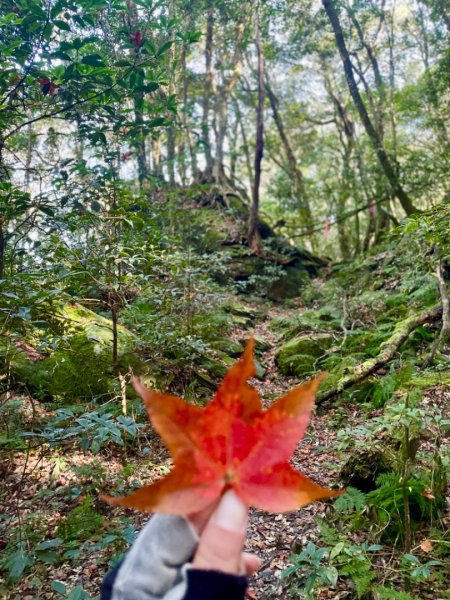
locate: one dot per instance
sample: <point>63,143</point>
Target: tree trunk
<point>115,338</point>
<point>2,249</point>
<point>253,239</point>
<point>140,144</point>
<point>208,88</point>
<point>383,158</point>
<point>297,176</point>
<point>224,92</point>
<point>245,145</point>
<point>171,154</point>
<point>187,130</point>
<point>156,154</point>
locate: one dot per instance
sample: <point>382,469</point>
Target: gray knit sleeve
<point>152,569</point>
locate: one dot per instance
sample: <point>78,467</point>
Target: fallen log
<point>402,331</point>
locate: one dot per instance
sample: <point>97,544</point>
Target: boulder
<point>297,356</point>
<point>217,220</point>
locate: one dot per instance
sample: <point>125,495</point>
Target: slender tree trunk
<point>156,154</point>
<point>141,153</point>
<point>2,249</point>
<point>171,154</point>
<point>233,149</point>
<point>392,91</point>
<point>221,114</point>
<point>139,145</point>
<point>187,130</point>
<point>383,158</point>
<point>115,339</point>
<point>224,92</point>
<point>253,239</point>
<point>208,88</point>
<point>297,176</point>
<point>29,156</point>
<point>245,145</point>
<point>171,134</point>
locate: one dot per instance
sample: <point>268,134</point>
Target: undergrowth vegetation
<point>67,409</point>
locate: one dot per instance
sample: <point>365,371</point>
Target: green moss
<point>429,379</point>
<point>228,346</point>
<point>289,285</point>
<point>97,329</point>
<point>298,356</point>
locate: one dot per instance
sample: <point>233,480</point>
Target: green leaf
<point>151,87</point>
<point>93,60</point>
<point>336,550</point>
<point>62,25</point>
<point>411,558</point>
<point>47,210</point>
<point>49,544</point>
<point>58,586</point>
<point>61,55</point>
<point>156,122</point>
<point>17,563</point>
<point>77,593</point>
<point>329,574</point>
<point>122,63</point>
<point>164,48</point>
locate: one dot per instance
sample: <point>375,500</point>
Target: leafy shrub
<point>93,430</point>
<point>389,504</point>
<point>76,373</point>
<point>81,523</point>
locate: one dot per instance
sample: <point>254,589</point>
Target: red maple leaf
<point>136,38</point>
<point>232,443</point>
<point>48,87</point>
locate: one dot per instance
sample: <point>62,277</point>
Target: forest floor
<point>43,487</point>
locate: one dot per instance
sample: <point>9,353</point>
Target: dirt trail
<point>272,536</point>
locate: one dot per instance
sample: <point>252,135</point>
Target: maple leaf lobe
<point>232,443</point>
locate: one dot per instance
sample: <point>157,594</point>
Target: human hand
<point>222,531</point>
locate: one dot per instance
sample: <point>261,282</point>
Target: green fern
<point>384,593</point>
<point>352,500</point>
<point>360,571</point>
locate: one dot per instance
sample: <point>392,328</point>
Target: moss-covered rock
<point>210,229</point>
<point>218,221</point>
<point>297,357</point>
<point>261,345</point>
<point>228,346</point>
<point>240,314</point>
<point>81,367</point>
<point>325,318</point>
<point>365,464</point>
<point>290,284</point>
<point>98,329</point>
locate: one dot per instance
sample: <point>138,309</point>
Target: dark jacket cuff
<point>214,585</point>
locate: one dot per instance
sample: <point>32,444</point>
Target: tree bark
<point>383,158</point>
<point>140,144</point>
<point>245,145</point>
<point>2,249</point>
<point>445,329</point>
<point>388,349</point>
<point>297,175</point>
<point>187,130</point>
<point>141,154</point>
<point>224,91</point>
<point>208,88</point>
<point>252,237</point>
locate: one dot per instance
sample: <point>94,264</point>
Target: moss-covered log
<point>388,349</point>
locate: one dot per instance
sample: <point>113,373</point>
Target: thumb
<point>222,540</point>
